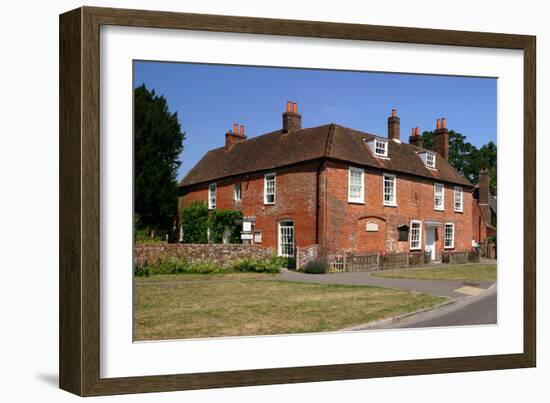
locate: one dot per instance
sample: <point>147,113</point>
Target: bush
<point>181,266</point>
<point>194,221</point>
<point>257,265</point>
<point>141,271</point>
<point>219,220</point>
<point>317,266</point>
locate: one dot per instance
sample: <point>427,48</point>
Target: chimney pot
<point>443,123</point>
<point>288,106</point>
<point>235,128</point>
<point>394,112</point>
<point>294,107</point>
<point>241,130</point>
<point>438,124</point>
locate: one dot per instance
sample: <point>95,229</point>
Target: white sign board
<point>372,226</point>
<point>246,237</point>
<point>247,226</point>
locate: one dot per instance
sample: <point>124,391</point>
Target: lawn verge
<point>252,305</point>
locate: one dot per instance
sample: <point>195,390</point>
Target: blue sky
<point>210,98</point>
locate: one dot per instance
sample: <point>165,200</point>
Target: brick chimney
<point>415,138</point>
<point>483,198</point>
<point>232,137</point>
<point>393,125</point>
<point>441,138</point>
<point>292,120</point>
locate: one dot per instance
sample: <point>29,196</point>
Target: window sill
<point>459,211</point>
<point>390,205</point>
<point>355,202</point>
<point>439,209</point>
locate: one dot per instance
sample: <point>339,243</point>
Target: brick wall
<point>222,254</point>
<point>344,224</point>
<point>296,200</point>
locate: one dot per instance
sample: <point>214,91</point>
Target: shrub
<point>141,271</point>
<point>194,221</point>
<point>181,266</point>
<point>257,265</point>
<point>219,220</point>
<point>316,266</point>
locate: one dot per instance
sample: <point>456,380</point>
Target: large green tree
<point>158,141</point>
<point>467,158</point>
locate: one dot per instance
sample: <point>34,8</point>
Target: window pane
<point>389,189</point>
<point>355,184</point>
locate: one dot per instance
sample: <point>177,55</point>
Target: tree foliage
<point>158,141</point>
<point>467,158</point>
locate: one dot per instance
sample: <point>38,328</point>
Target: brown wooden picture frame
<point>79,281</point>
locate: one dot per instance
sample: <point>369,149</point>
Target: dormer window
<point>428,158</point>
<point>380,148</point>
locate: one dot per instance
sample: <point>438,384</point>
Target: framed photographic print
<point>250,201</point>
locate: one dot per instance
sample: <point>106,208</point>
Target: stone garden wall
<point>222,254</point>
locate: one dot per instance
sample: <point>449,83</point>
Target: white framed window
<point>380,148</point>
<point>415,242</point>
<point>212,196</point>
<point>389,184</point>
<point>258,237</point>
<point>439,196</point>
<point>237,192</point>
<point>430,160</point>
<point>286,238</point>
<point>356,184</point>
<point>459,201</point>
<point>269,188</point>
<point>449,236</point>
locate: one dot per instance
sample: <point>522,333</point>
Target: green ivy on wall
<point>197,221</point>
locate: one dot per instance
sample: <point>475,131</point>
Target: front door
<point>430,242</point>
<point>286,238</point>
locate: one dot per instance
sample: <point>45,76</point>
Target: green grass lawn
<point>239,304</point>
<point>464,272</point>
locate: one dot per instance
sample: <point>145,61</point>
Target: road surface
<point>480,312</point>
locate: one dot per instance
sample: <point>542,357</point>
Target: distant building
<point>343,189</point>
<point>484,210</point>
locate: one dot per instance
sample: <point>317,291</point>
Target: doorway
<point>286,238</point>
<point>430,242</point>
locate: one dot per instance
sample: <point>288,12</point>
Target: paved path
<point>444,288</point>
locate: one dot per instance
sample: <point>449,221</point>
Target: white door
<point>286,239</point>
<point>430,241</point>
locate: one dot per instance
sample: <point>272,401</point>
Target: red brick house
<point>340,188</point>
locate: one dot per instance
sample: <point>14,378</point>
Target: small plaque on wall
<point>372,226</point>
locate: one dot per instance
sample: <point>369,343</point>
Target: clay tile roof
<point>277,149</point>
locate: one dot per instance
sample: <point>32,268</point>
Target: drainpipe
<point>317,201</point>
